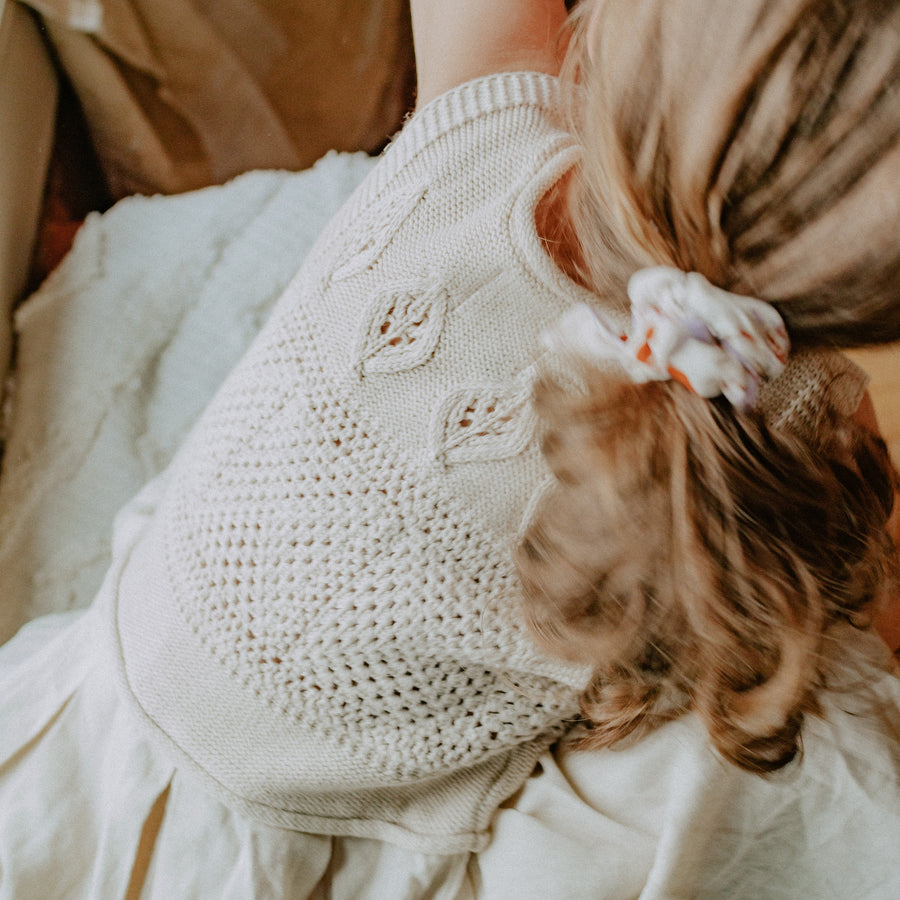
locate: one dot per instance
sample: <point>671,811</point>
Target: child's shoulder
<point>458,42</point>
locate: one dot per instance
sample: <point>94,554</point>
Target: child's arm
<point>457,40</point>
<point>887,618</point>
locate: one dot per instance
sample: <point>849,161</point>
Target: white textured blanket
<point>119,351</point>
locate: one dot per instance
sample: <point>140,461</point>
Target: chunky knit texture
<point>321,619</point>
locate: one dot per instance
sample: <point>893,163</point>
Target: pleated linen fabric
<point>665,817</point>
<point>90,810</point>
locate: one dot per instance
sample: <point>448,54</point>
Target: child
<point>314,615</point>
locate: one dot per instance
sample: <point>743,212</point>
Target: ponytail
<point>695,554</point>
<point>697,557</point>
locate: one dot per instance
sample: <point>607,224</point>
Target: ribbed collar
<point>461,105</point>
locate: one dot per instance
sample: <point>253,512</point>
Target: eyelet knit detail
<point>385,220</point>
<point>339,554</point>
<point>401,330</point>
<point>483,422</point>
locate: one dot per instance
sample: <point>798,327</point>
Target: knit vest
<point>321,619</point>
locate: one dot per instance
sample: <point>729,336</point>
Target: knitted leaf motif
<point>380,234</point>
<point>401,331</point>
<point>482,422</point>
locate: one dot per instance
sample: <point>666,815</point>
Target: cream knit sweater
<point>320,619</point>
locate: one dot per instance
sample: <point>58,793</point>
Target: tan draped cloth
<point>179,94</point>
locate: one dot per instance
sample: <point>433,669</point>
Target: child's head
<point>694,553</point>
<point>753,142</point>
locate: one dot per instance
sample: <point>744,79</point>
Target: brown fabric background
<point>180,94</point>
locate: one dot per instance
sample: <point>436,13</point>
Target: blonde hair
<point>696,556</point>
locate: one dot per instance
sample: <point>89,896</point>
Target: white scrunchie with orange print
<point>685,329</point>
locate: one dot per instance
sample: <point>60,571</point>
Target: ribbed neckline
<point>464,103</point>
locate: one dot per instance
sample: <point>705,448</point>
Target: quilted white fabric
<point>122,348</point>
